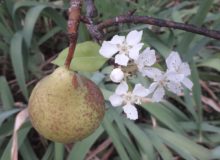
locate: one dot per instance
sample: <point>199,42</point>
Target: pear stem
<point>73,25</point>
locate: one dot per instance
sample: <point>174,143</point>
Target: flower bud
<point>117,75</point>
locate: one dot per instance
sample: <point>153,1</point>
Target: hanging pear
<point>65,106</point>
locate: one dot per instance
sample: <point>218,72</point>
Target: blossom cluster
<point>130,58</point>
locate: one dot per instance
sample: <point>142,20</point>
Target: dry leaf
<point>20,119</point>
<point>211,103</point>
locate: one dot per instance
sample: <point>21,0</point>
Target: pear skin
<point>66,107</point>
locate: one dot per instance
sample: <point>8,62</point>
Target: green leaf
<point>49,152</point>
<point>197,97</point>
<point>179,114</point>
<point>27,152</point>
<point>17,61</point>
<point>48,35</point>
<point>206,127</point>
<point>4,32</point>
<point>6,129</point>
<point>107,124</point>
<point>184,144</point>
<point>213,63</point>
<point>164,115</point>
<point>57,18</point>
<point>21,4</point>
<point>29,23</point>
<point>32,17</point>
<point>216,153</point>
<point>6,96</point>
<point>157,43</point>
<point>129,146</point>
<point>86,57</point>
<point>59,151</point>
<point>142,139</point>
<point>22,135</point>
<point>81,148</point>
<point>124,136</point>
<point>197,20</point>
<point>6,114</point>
<point>164,152</point>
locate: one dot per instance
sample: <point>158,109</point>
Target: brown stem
<point>91,10</point>
<point>73,25</point>
<point>159,22</point>
<point>91,13</point>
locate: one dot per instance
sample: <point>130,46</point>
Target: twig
<point>208,90</point>
<point>159,22</point>
<point>108,153</point>
<point>91,13</point>
<point>154,122</point>
<point>91,10</point>
<point>73,25</point>
<point>99,149</point>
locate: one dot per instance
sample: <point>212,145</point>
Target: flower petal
<point>134,37</point>
<point>131,111</point>
<point>134,51</point>
<point>108,50</point>
<point>184,69</point>
<point>148,57</point>
<point>122,88</point>
<point>158,94</point>
<point>187,83</point>
<point>152,73</point>
<point>140,90</point>
<point>116,100</point>
<point>174,76</point>
<point>174,87</point>
<point>173,61</point>
<point>117,39</point>
<point>117,75</point>
<point>153,86</point>
<point>121,59</point>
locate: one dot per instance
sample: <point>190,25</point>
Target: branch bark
<point>158,22</point>
<point>73,25</point>
<point>91,13</point>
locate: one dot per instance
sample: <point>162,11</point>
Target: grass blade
<point>183,143</point>
<point>59,151</point>
<point>22,134</point>
<point>27,152</point>
<point>49,153</point>
<point>115,138</point>
<point>81,148</point>
<point>197,20</point>
<point>6,96</point>
<point>163,115</point>
<point>4,115</point>
<point>17,61</point>
<point>30,21</point>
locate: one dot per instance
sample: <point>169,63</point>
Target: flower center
<point>130,98</point>
<point>124,48</point>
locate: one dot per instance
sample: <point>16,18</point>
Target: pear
<point>65,106</point>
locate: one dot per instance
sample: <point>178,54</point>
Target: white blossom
<point>178,70</point>
<point>117,75</point>
<point>126,47</point>
<point>145,60</point>
<point>162,82</point>
<point>123,96</point>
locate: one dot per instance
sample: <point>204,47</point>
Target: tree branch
<point>159,22</point>
<point>73,25</point>
<point>91,13</point>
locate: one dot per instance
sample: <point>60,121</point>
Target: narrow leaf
<point>17,61</point>
<point>6,95</point>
